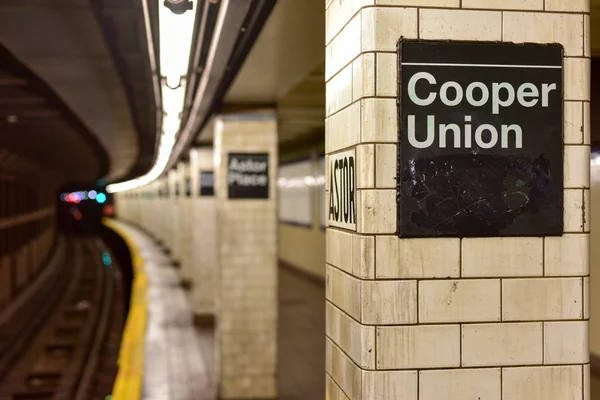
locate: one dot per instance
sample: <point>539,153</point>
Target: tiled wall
<point>450,319</point>
<point>204,250</point>
<point>247,256</point>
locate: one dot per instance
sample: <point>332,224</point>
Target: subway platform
<point>179,360</point>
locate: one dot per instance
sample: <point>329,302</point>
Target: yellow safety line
<point>128,383</point>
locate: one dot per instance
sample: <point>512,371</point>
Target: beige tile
<point>577,166</point>
<point>343,129</point>
<point>587,44</point>
<point>586,298</point>
<point>573,130</point>
<point>577,79</point>
<point>389,302</point>
<point>501,344</point>
<point>337,244</point>
<point>363,76</point>
<point>489,257</point>
<point>566,342</point>
<point>344,291</point>
<point>343,48</point>
<point>460,384</point>
<point>505,4</point>
<point>379,120</point>
<point>419,3</point>
<point>566,29</point>
<point>460,24</point>
<point>338,14</point>
<point>338,91</point>
<point>365,166</point>
<point>464,300</point>
<point>422,346</point>
<point>568,255</point>
<point>363,255</point>
<point>356,340</point>
<point>574,210</point>
<point>343,371</point>
<point>587,205</point>
<point>586,123</point>
<point>382,27</point>
<point>542,299</point>
<point>569,5</point>
<point>547,383</point>
<point>333,391</point>
<point>390,385</point>
<point>376,211</point>
<point>386,156</point>
<point>586,383</point>
<point>387,74</point>
<point>417,258</point>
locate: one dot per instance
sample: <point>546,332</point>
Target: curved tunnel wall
<point>27,234</point>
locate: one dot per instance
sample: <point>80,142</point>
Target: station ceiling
<point>68,45</point>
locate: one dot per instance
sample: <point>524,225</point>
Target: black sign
<point>342,190</point>
<point>480,128</point>
<point>207,183</point>
<point>248,176</point>
<point>188,187</point>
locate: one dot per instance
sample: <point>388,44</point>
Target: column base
<point>204,320</point>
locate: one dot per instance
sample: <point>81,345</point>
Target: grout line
<point>543,343</point>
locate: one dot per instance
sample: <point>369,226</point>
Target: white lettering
<point>444,93</point>
<point>455,134</point>
<point>546,89</point>
<point>518,136</point>
<point>485,94</point>
<point>479,136</point>
<point>412,93</point>
<point>412,137</point>
<point>496,101</point>
<point>525,91</point>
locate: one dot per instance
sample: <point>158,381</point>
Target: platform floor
<point>179,363</point>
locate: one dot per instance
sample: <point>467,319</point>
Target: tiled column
<point>450,318</point>
<point>247,262</point>
<point>172,220</point>
<point>186,222</point>
<point>163,216</point>
<point>203,233</point>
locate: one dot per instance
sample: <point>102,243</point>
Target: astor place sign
<point>480,132</point>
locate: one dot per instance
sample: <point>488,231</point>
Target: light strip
<point>175,37</point>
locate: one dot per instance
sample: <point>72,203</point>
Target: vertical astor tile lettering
<point>342,193</point>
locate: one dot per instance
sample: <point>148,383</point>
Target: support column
<point>203,234</point>
<point>173,214</point>
<point>246,162</point>
<point>184,238</point>
<point>451,317</point>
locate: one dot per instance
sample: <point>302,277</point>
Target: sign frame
<point>255,192</point>
<point>553,228</point>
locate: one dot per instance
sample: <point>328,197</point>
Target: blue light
<point>92,195</point>
<point>100,198</point>
<point>106,259</point>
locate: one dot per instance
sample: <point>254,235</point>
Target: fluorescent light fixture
<point>175,39</point>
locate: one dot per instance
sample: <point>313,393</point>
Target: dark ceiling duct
<point>219,56</point>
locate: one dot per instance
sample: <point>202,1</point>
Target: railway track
<point>69,335</point>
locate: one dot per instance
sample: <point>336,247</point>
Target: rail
<point>128,384</point>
